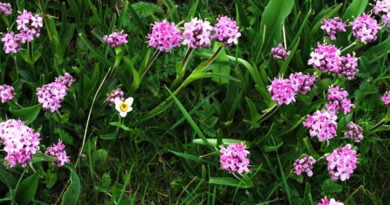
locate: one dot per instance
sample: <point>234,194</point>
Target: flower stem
<point>150,63</point>
<point>348,47</point>
<point>181,71</point>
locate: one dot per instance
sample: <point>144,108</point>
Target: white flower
<point>124,107</point>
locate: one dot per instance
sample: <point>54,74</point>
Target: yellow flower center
<point>123,107</point>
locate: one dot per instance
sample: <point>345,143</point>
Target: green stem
<point>380,123</point>
<point>17,185</point>
<point>189,79</point>
<point>181,71</point>
<point>150,63</point>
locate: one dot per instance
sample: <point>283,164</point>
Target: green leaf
<point>272,20</point>
<point>228,181</point>
<point>72,193</point>
<point>271,148</point>
<point>27,114</point>
<point>40,157</point>
<point>145,9</point>
<point>188,156</point>
<point>355,9</point>
<point>224,141</point>
<point>27,189</point>
<point>120,125</point>
<point>329,187</point>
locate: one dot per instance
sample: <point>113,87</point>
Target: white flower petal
<point>129,101</point>
<point>123,114</point>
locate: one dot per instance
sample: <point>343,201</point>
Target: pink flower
<point>365,28</point>
<point>386,98</point>
<point>29,26</point>
<point>164,36</point>
<point>115,39</point>
<point>197,33</point>
<point>342,163</point>
<point>332,201</point>
<point>5,9</point>
<point>226,31</point>
<point>326,58</point>
<point>322,124</point>
<point>337,100</point>
<point>282,91</point>
<point>6,93</point>
<point>20,142</point>
<point>304,164</point>
<point>280,52</point>
<point>382,7</point>
<point>302,83</point>
<point>51,95</point>
<point>348,67</point>
<point>234,158</point>
<point>11,43</point>
<point>332,26</point>
<point>117,93</point>
<point>354,131</point>
<point>58,151</point>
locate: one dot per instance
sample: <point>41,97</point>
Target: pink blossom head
<point>234,158</point>
<point>304,164</point>
<point>332,26</point>
<point>348,67</point>
<point>342,163</point>
<point>117,93</point>
<point>226,31</point>
<point>365,28</point>
<point>332,201</point>
<point>6,93</point>
<point>322,124</point>
<point>164,36</point>
<point>382,7</point>
<point>302,83</point>
<point>197,33</point>
<point>354,131</point>
<point>20,142</point>
<point>115,39</point>
<point>326,58</point>
<point>58,151</point>
<point>282,91</point>
<point>29,26</point>
<point>5,9</point>
<point>280,52</point>
<point>11,43</point>
<point>338,101</point>
<point>386,98</point>
<point>51,95</point>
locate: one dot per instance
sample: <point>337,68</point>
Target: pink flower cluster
<point>386,98</point>
<point>304,164</point>
<point>6,93</point>
<point>115,39</point>
<point>5,9</point>
<point>322,124</point>
<point>164,36</point>
<point>338,101</point>
<point>354,131</point>
<point>234,158</point>
<point>29,27</point>
<point>226,31</point>
<point>332,26</point>
<point>283,91</point>
<point>117,93</point>
<point>342,163</point>
<point>302,83</point>
<point>383,7</point>
<point>197,33</point>
<point>51,95</point>
<point>280,52</point>
<point>327,58</point>
<point>348,67</point>
<point>20,142</point>
<point>58,151</point>
<point>365,28</point>
<point>332,201</point>
<point>11,43</point>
